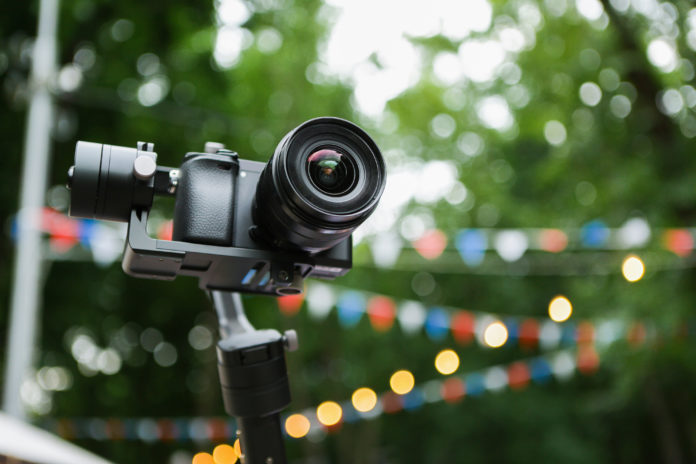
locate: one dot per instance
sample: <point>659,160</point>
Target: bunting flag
<point>464,326</point>
<point>404,396</point>
<point>105,240</point>
<point>511,244</point>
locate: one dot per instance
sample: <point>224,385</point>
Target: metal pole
<point>26,286</point>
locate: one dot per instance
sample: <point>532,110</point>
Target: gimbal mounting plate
<point>229,268</point>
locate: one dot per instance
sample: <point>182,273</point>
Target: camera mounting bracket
<point>228,268</point>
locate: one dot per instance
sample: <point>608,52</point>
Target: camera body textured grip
<point>204,206</point>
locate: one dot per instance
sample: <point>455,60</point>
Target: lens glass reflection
<point>331,171</point>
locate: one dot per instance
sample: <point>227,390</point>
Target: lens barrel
<point>324,179</point>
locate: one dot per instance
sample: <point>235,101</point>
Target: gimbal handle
<point>254,379</point>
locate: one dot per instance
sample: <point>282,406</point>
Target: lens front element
<point>324,179</point>
<point>331,171</point>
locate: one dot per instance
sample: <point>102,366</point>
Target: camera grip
<point>205,199</point>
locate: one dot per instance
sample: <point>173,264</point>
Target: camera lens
<point>331,171</point>
<point>324,179</point>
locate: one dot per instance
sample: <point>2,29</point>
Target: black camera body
<point>239,225</point>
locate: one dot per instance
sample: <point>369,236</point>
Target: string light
<point>495,335</point>
<point>633,268</point>
<point>446,362</point>
<point>538,370</point>
<point>364,399</point>
<point>224,454</point>
<point>297,425</point>
<point>329,413</point>
<point>402,382</point>
<point>203,458</point>
<point>560,309</point>
<point>238,448</point>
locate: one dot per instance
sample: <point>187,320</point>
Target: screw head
<point>290,340</point>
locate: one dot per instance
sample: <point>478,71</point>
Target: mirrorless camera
<point>239,225</point>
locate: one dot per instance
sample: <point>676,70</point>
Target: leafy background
<point>181,73</point>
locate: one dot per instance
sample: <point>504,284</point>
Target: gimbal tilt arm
<point>254,379</point>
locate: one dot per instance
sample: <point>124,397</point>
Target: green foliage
<point>610,165</point>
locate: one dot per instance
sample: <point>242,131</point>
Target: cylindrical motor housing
<point>103,184</point>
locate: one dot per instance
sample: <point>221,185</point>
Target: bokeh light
<point>401,382</point>
<point>237,447</point>
<point>560,309</point>
<point>495,335</point>
<point>297,425</point>
<point>364,399</point>
<point>203,458</point>
<point>446,362</point>
<point>224,454</point>
<point>329,413</point>
<point>633,268</point>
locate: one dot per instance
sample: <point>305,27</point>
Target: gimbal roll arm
<point>254,379</point>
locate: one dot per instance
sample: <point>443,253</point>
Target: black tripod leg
<point>261,440</point>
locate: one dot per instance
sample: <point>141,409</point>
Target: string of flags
<point>472,244</point>
<point>465,326</point>
<point>365,404</point>
<point>105,240</point>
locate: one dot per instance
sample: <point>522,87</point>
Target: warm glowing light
<point>203,458</point>
<point>495,335</point>
<point>633,268</point>
<point>297,426</point>
<point>446,362</point>
<point>329,413</point>
<point>401,382</point>
<point>238,448</point>
<point>364,399</point>
<point>560,309</point>
<point>224,454</point>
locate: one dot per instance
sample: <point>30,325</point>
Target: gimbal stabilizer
<point>241,226</point>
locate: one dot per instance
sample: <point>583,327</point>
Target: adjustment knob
<point>290,340</point>
<point>144,167</point>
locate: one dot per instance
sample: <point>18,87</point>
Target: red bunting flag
<point>165,230</point>
<point>431,244</point>
<point>518,375</point>
<point>166,429</point>
<point>463,324</point>
<point>678,241</point>
<point>381,311</point>
<point>529,333</point>
<point>453,390</point>
<point>391,403</point>
<point>553,240</point>
<point>290,304</point>
<point>588,359</point>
